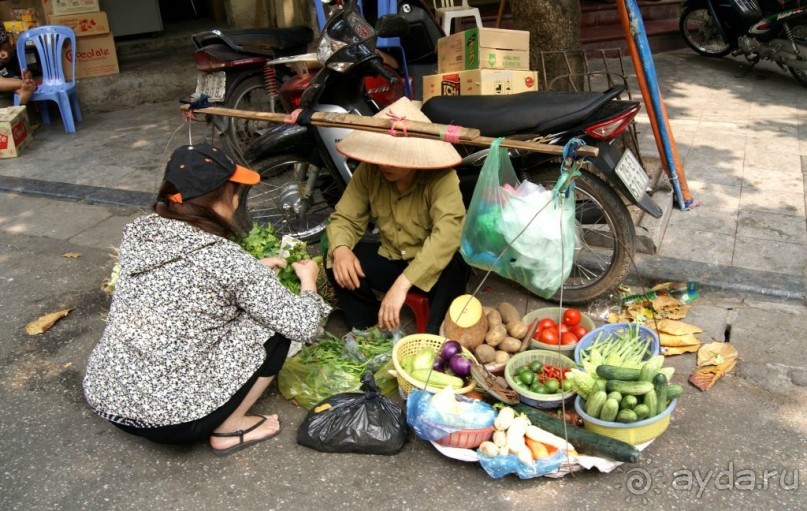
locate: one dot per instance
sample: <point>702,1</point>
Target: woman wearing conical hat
<point>406,187</point>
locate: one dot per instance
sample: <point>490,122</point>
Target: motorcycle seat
<point>496,116</point>
<point>269,42</point>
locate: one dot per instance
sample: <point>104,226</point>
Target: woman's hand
<point>274,262</point>
<point>346,268</point>
<point>307,271</point>
<point>389,314</point>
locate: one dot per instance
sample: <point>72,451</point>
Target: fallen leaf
<point>678,340</point>
<point>674,327</point>
<point>705,377</point>
<point>716,353</point>
<point>669,307</point>
<point>71,254</point>
<point>44,323</point>
<point>669,351</point>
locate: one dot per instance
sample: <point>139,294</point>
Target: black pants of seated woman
<point>361,305</point>
<point>277,347</point>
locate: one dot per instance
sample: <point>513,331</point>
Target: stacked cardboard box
<point>15,132</point>
<point>95,53</point>
<point>482,61</point>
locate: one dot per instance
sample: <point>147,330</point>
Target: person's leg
<point>360,306</point>
<point>449,285</point>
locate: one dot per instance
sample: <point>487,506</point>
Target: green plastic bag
<point>519,230</point>
<point>308,384</point>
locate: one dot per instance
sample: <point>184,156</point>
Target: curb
<point>86,193</point>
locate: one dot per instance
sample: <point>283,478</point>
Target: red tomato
<point>563,328</point>
<point>571,317</point>
<point>579,331</point>
<point>549,336</point>
<point>546,323</point>
<point>568,338</point>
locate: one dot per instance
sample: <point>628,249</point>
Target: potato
<point>501,357</point>
<point>487,310</point>
<point>485,353</point>
<point>500,381</point>
<point>494,318</point>
<point>510,345</point>
<point>517,329</point>
<point>496,335</point>
<point>508,313</point>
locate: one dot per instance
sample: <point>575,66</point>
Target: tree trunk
<point>554,26</point>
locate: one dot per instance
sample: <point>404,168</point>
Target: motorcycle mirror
<point>391,25</point>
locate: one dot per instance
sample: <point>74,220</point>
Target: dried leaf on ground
<point>669,351</point>
<point>716,353</point>
<point>71,254</point>
<point>678,340</point>
<point>705,377</point>
<point>669,307</point>
<point>44,323</point>
<point>674,327</point>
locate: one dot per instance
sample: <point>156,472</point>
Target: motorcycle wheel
<point>605,236</point>
<point>278,199</point>
<point>799,33</point>
<point>248,94</point>
<point>701,33</point>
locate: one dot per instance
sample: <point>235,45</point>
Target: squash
<point>465,323</point>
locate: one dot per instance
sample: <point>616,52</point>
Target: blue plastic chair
<point>49,41</point>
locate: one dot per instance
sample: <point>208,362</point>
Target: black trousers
<point>361,305</point>
<point>277,347</point>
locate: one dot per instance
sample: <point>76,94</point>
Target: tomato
<point>571,317</point>
<point>568,338</point>
<point>546,323</point>
<point>579,331</point>
<point>549,336</point>
<point>563,328</point>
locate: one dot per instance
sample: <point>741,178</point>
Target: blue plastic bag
<point>431,422</point>
<point>500,466</point>
<point>520,232</point>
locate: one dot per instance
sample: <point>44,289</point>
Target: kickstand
<point>753,62</point>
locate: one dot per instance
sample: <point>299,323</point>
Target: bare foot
<point>269,428</point>
<point>26,91</point>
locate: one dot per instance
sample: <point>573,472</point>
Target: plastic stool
<point>419,303</point>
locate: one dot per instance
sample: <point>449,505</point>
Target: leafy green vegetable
<point>262,241</point>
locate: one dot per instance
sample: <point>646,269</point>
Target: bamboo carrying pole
<point>469,136</point>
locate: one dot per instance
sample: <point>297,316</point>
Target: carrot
<point>537,449</point>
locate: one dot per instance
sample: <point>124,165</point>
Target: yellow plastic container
<point>633,433</point>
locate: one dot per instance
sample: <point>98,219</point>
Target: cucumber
<point>641,411</point>
<point>617,373</point>
<point>609,410</point>
<point>674,391</point>
<point>651,402</point>
<point>628,402</point>
<point>626,416</point>
<point>634,388</point>
<point>595,402</point>
<point>660,387</point>
<point>584,441</point>
<point>599,385</point>
<point>646,373</point>
<point>616,396</point>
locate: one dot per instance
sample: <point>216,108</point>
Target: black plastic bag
<point>362,422</point>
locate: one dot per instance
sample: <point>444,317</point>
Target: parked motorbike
<point>303,175</point>
<point>243,69</point>
<point>757,29</point>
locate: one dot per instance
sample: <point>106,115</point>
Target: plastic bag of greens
<point>362,422</point>
<point>522,232</point>
<point>500,466</point>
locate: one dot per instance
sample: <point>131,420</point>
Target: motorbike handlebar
<point>388,75</point>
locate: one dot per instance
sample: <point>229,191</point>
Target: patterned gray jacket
<point>187,324</point>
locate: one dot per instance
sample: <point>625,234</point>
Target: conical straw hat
<point>397,150</point>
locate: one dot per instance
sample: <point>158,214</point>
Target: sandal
<point>240,433</point>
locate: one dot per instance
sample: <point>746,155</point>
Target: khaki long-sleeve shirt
<point>422,225</point>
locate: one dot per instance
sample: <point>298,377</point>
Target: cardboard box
<point>95,56</point>
<point>87,24</point>
<point>15,132</point>
<point>484,48</point>
<point>67,7</point>
<point>479,82</point>
<point>19,26</point>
